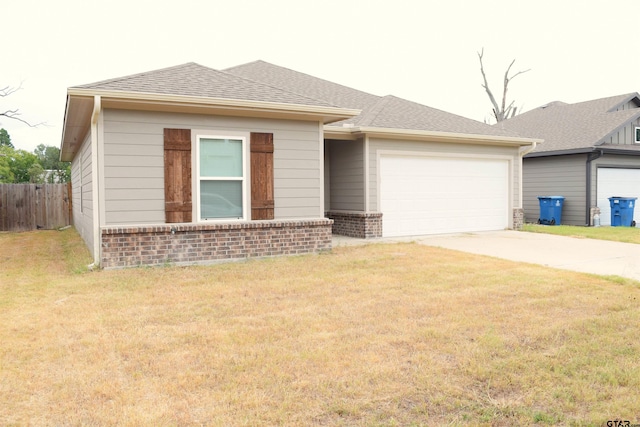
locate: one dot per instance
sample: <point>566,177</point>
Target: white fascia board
<point>451,137</point>
<point>328,114</point>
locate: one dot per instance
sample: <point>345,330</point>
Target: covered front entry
<point>425,194</point>
<point>616,182</point>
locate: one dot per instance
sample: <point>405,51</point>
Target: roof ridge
<point>275,87</point>
<point>260,61</point>
<point>627,97</point>
<point>634,114</point>
<point>370,116</point>
<point>192,79</point>
<point>623,98</point>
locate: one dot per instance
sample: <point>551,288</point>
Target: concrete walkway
<point>568,253</point>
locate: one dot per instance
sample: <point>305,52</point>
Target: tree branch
<point>486,85</point>
<point>507,79</point>
<point>506,111</point>
<point>13,114</point>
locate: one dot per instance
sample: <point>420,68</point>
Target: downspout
<point>523,152</point>
<point>366,173</point>
<point>97,107</point>
<point>590,157</point>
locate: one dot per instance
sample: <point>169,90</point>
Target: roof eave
<point>335,132</point>
<point>80,104</point>
<point>582,150</point>
<point>76,124</point>
<point>326,114</point>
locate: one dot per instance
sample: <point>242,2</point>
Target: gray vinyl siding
<point>624,135</point>
<point>82,193</point>
<point>556,176</point>
<point>375,145</point>
<point>628,106</point>
<point>134,162</point>
<point>346,175</point>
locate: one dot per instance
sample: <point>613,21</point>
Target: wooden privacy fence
<point>26,207</point>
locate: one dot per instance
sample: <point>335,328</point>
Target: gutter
<point>330,113</point>
<point>354,132</point>
<point>590,158</point>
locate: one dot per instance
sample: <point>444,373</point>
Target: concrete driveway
<point>568,253</point>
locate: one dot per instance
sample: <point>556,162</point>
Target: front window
<point>221,177</point>
<point>637,135</point>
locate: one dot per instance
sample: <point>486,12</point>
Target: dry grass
<point>617,234</point>
<point>381,335</point>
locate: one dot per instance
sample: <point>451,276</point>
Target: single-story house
<point>591,152</point>
<point>189,164</point>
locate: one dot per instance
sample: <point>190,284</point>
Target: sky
<point>425,51</point>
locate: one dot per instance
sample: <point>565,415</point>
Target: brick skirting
<point>518,218</point>
<point>363,225</point>
<point>205,243</point>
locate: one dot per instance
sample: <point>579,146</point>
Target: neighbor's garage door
<point>616,182</point>
<point>432,195</point>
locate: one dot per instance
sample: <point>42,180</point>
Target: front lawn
<point>377,335</point>
<point>618,234</point>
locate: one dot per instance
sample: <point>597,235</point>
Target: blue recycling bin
<point>622,211</point>
<point>550,210</point>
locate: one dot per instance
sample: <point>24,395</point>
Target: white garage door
<point>616,182</point>
<point>435,195</point>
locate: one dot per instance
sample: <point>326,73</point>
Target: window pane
<point>220,199</point>
<point>221,157</point>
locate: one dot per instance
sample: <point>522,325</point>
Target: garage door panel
<point>616,182</point>
<point>434,195</point>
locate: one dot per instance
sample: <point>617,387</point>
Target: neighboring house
<point>191,165</point>
<point>591,151</point>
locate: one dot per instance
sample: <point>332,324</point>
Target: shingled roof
<point>574,127</point>
<point>192,79</point>
<point>380,112</point>
<point>304,84</point>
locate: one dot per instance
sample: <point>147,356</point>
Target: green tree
<point>6,174</point>
<point>36,174</point>
<point>20,161</point>
<point>5,139</point>
<point>49,158</point>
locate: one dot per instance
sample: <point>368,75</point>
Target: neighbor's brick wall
<point>203,243</point>
<point>363,225</point>
<point>518,218</point>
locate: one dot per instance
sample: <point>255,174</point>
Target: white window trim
<point>636,135</point>
<point>196,176</point>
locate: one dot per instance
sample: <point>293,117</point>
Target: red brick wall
<point>364,225</point>
<point>203,243</point>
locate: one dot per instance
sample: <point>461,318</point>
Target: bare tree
<point>13,113</point>
<point>503,111</point>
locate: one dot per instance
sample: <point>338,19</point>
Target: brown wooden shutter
<point>177,175</point>
<point>262,176</point>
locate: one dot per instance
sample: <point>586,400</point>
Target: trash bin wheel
<point>553,221</point>
<point>633,223</point>
<point>539,221</point>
